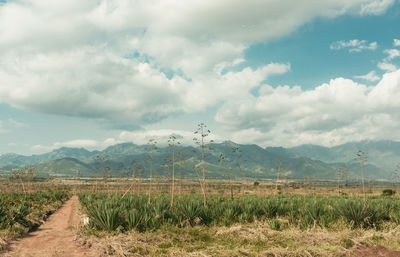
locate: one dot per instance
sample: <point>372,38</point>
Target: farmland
<point>109,212</point>
<point>20,212</point>
<point>276,225</point>
<point>262,219</point>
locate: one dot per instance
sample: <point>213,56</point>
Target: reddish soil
<point>55,238</point>
<point>376,251</point>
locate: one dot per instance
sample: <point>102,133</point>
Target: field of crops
<point>112,212</point>
<point>21,212</point>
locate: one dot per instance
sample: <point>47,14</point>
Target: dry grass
<point>3,241</point>
<point>240,240</point>
<point>185,186</point>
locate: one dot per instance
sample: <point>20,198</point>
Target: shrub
<point>275,225</point>
<point>105,215</point>
<point>359,215</point>
<point>388,192</point>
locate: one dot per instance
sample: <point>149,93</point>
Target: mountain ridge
<point>298,162</point>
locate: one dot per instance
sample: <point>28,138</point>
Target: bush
<point>360,215</point>
<point>105,215</point>
<point>275,225</point>
<point>388,192</point>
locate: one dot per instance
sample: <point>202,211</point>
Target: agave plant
<point>108,212</point>
<point>358,214</point>
<point>270,208</point>
<point>105,216</point>
<point>134,219</point>
<point>188,212</point>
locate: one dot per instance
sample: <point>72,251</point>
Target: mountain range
<point>253,161</point>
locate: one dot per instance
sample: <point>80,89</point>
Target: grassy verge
<point>256,239</point>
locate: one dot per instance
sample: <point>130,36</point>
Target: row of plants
<point>113,212</point>
<point>21,212</point>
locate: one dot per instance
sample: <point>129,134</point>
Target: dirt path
<point>55,238</point>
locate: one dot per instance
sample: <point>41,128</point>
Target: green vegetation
<point>112,212</point>
<point>388,192</point>
<point>21,212</point>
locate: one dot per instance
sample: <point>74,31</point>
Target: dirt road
<point>55,238</point>
<point>376,251</point>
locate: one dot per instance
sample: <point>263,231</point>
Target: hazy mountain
<point>251,161</point>
<point>63,152</point>
<point>383,154</point>
<point>66,167</point>
<point>124,149</point>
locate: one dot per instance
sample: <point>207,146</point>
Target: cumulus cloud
<point>333,113</point>
<point>77,143</point>
<point>391,54</point>
<point>130,63</point>
<point>354,45</point>
<point>11,124</point>
<point>370,76</point>
<point>396,42</point>
<point>376,7</point>
<point>161,136</point>
<point>139,137</point>
<point>386,66</point>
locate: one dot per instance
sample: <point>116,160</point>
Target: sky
<point>95,73</point>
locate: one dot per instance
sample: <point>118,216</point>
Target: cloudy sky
<point>272,72</point>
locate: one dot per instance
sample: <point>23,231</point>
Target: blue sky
<point>308,52</point>
<point>272,72</point>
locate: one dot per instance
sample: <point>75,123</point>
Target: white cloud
<point>330,114</point>
<point>387,66</point>
<point>77,143</point>
<point>86,143</point>
<point>2,130</point>
<point>396,42</point>
<point>354,45</point>
<point>392,53</point>
<point>16,124</point>
<point>161,136</point>
<point>376,7</point>
<point>139,137</point>
<point>106,60</point>
<point>370,76</point>
<point>11,124</point>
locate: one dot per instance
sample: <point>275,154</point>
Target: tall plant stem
<point>203,166</point>
<point>362,180</point>
<point>151,175</point>
<point>173,178</point>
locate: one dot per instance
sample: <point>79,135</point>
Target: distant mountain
<point>383,154</point>
<point>306,161</point>
<point>63,152</point>
<point>124,149</point>
<point>66,167</point>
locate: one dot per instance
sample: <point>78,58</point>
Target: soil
<point>376,251</point>
<point>55,238</point>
